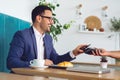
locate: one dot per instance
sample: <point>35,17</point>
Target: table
<point>10,76</point>
<point>61,73</point>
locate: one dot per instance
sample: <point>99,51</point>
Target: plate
<point>57,67</point>
<point>38,67</point>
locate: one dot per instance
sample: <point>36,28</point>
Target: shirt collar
<point>37,33</point>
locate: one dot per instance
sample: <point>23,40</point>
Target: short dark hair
<point>38,10</point>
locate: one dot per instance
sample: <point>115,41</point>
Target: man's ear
<point>38,18</point>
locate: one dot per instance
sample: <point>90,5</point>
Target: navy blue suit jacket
<point>23,49</point>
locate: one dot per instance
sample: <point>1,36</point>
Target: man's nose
<point>52,22</point>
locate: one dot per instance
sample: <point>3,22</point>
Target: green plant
<point>115,24</point>
<point>118,61</point>
<point>103,59</point>
<point>57,27</point>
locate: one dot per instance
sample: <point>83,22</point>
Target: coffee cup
<point>37,63</point>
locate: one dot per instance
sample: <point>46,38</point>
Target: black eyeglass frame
<point>50,18</point>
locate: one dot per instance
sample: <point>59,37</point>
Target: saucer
<point>38,67</point>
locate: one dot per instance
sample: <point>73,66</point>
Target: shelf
<point>91,32</point>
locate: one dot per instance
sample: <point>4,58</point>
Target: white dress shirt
<point>40,44</point>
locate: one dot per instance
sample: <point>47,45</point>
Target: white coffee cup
<point>37,63</point>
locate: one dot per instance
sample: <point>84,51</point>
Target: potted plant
<point>103,62</point>
<point>116,28</point>
<point>115,24</point>
<point>57,27</point>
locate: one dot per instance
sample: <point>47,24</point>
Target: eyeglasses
<point>50,18</point>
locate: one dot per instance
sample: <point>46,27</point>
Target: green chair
<point>8,26</point>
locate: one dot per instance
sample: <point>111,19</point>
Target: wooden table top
<point>62,73</point>
<point>10,76</point>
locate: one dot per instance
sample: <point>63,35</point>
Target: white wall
<point>71,38</point>
<point>18,8</point>
<point>66,12</point>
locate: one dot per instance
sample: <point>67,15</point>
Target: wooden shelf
<point>91,32</point>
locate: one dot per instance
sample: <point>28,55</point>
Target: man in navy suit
<point>35,43</point>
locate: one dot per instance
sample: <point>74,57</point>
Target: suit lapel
<point>34,42</point>
<point>46,46</point>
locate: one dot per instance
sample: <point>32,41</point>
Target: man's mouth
<point>49,27</point>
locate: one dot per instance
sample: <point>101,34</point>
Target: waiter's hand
<point>77,50</point>
<point>48,62</point>
<point>100,52</point>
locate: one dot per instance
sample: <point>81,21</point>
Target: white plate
<point>38,67</point>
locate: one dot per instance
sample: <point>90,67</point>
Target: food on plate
<point>65,64</point>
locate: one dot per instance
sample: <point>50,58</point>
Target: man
<point>103,52</point>
<point>35,43</point>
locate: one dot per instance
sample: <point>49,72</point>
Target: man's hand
<point>78,50</point>
<point>48,62</point>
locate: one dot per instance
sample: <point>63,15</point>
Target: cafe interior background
<point>18,13</point>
